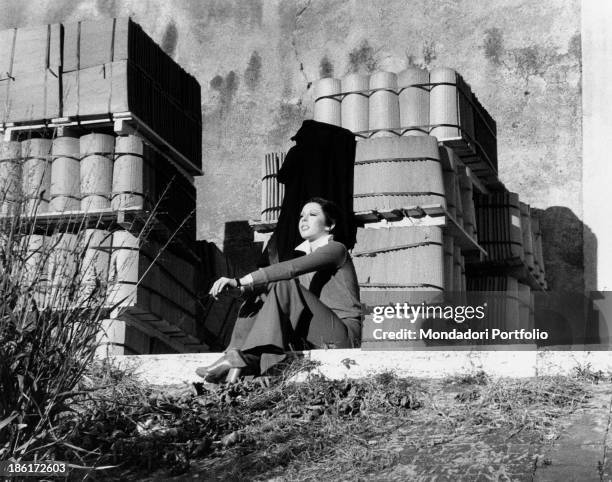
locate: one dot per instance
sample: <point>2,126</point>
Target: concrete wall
<point>256,61</point>
<point>597,169</point>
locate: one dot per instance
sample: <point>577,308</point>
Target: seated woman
<point>310,302</point>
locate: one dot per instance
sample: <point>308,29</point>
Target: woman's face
<point>312,222</point>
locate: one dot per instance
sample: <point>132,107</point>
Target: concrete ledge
<point>550,362</point>
<point>356,363</point>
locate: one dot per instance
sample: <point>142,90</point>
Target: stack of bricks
<point>96,68</point>
<point>30,73</point>
<point>404,252</point>
<point>106,207</point>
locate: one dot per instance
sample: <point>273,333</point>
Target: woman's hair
<point>331,211</point>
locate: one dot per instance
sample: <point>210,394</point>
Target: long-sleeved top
<point>334,279</point>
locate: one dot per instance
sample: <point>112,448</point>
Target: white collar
<point>308,247</point>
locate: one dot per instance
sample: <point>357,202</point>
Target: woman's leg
<point>290,315</point>
<point>324,329</point>
<point>247,315</point>
<point>233,358</point>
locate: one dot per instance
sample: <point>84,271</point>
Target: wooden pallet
<point>134,220</point>
<point>429,215</point>
<point>475,159</point>
<point>121,123</point>
<point>162,330</point>
<point>413,216</point>
<point>263,226</point>
<point>131,219</point>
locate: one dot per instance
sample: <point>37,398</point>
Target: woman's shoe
<point>233,375</point>
<point>218,370</point>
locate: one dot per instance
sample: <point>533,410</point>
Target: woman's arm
<point>332,255</point>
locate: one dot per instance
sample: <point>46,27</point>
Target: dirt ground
<point>463,428</point>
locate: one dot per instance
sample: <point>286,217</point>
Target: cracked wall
<point>256,61</point>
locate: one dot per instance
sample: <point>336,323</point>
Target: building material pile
<point>413,102</point>
<point>94,69</point>
<point>107,205</point>
<point>427,156</point>
<point>272,191</point>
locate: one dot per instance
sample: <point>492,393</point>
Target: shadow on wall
<point>239,256</point>
<point>216,314</point>
<point>567,311</point>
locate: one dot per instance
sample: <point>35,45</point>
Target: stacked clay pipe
<point>10,152</point>
<point>36,175</point>
<point>397,173</point>
<point>92,173</point>
<point>399,264</point>
<point>69,179</point>
<point>425,141</point>
<point>163,285</point>
<point>272,192</point>
<point>510,304</point>
<point>412,102</point>
<point>510,233</point>
<point>499,227</point>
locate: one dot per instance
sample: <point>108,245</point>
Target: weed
<point>50,319</point>
<point>54,296</point>
<point>477,378</point>
<point>586,372</point>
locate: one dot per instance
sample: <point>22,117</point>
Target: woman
<point>311,301</point>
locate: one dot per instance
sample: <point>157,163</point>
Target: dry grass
<point>254,426</point>
<point>316,430</point>
<point>48,337</point>
<point>52,304</point>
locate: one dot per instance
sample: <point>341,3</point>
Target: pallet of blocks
<point>30,73</point>
<point>395,173</point>
<point>408,194</point>
<point>156,290</point>
<point>153,291</point>
<point>91,174</point>
<point>489,241</point>
<point>272,191</point>
<point>102,137</point>
<point>396,266</point>
<point>65,186</point>
<point>509,306</point>
<point>112,65</point>
<point>512,238</point>
<point>413,102</point>
<point>99,71</point>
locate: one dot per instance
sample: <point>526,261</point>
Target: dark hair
<point>330,209</point>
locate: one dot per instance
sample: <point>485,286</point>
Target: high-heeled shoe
<point>222,367</point>
<point>233,375</point>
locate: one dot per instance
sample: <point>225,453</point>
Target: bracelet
<point>238,284</point>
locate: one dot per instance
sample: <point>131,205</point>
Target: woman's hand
<point>222,284</point>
